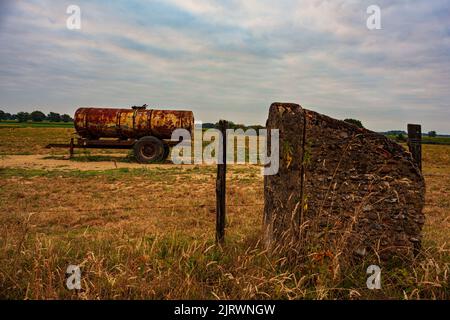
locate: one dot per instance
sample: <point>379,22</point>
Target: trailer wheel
<point>166,151</point>
<point>148,150</point>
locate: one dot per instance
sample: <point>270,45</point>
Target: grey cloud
<point>232,59</point>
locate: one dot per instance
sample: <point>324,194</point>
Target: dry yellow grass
<point>23,141</point>
<point>148,233</point>
<point>32,140</point>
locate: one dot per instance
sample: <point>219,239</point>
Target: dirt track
<point>39,162</point>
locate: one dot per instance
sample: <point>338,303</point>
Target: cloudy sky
<point>231,59</point>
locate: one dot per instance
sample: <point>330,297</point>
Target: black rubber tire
<point>166,152</point>
<point>148,150</point>
<point>90,137</point>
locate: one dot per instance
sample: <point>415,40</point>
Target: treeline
<point>231,125</point>
<point>35,116</point>
<point>431,134</point>
<point>235,126</point>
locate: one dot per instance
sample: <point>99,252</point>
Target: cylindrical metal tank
<point>137,122</point>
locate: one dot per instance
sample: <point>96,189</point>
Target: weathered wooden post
<point>221,185</point>
<point>71,148</point>
<point>415,143</point>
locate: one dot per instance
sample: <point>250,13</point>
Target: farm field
<point>439,140</point>
<point>147,231</point>
<point>32,124</point>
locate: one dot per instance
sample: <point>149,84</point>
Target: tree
<point>256,127</point>
<point>208,125</point>
<point>2,115</point>
<point>54,117</point>
<point>37,116</point>
<point>23,116</point>
<point>66,118</point>
<point>400,137</point>
<point>355,122</point>
<point>432,134</point>
<point>231,124</point>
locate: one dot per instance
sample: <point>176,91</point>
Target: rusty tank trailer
<point>134,123</point>
<point>146,131</point>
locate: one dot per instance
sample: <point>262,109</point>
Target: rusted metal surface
<point>95,123</point>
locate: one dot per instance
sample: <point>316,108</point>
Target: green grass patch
<point>31,124</point>
<point>427,140</point>
<point>154,172</point>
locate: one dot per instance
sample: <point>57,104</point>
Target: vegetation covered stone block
<point>342,189</point>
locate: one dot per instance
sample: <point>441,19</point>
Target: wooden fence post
<point>71,148</point>
<point>221,185</point>
<point>415,143</point>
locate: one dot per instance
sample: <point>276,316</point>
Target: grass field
<point>31,140</point>
<point>32,124</point>
<point>439,140</point>
<point>147,231</point>
<point>436,140</point>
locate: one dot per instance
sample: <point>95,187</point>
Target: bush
<point>355,122</point>
<point>400,137</point>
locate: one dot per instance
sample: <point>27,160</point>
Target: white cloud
<point>232,58</point>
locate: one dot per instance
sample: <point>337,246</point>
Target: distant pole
<point>415,143</point>
<point>221,185</point>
